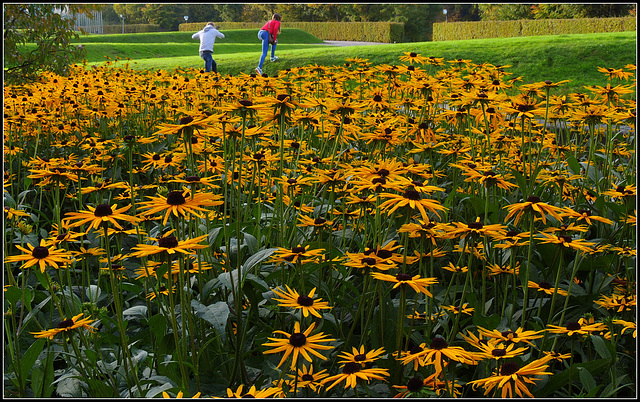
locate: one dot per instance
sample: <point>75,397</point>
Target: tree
<point>37,37</point>
<point>507,11</point>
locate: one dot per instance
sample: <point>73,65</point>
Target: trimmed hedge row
<point>504,29</point>
<point>130,28</point>
<point>386,32</point>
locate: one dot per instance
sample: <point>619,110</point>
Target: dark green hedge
<point>504,29</point>
<point>386,32</point>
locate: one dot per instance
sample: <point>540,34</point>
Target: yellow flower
<point>511,377</point>
<point>307,304</point>
<point>298,343</point>
<point>100,214</point>
<point>67,325</point>
<point>41,256</point>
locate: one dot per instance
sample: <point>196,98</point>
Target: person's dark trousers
<point>209,63</point>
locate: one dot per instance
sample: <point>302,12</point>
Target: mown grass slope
<point>539,58</point>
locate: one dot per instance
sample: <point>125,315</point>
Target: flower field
<point>432,228</point>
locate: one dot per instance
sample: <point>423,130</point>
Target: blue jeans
<point>209,63</point>
<point>264,36</point>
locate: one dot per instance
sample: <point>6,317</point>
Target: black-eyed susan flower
<point>99,215</point>
<point>169,244</point>
<point>252,392</point>
<point>352,371</point>
<point>511,378</point>
<point>298,343</point>
<point>438,353</point>
<point>41,255</point>
<point>462,230</point>
<point>306,378</point>
<point>306,303</point>
<point>180,203</point>
<point>65,325</point>
<point>566,241</point>
<point>358,355</point>
<point>617,302</point>
<point>464,309</point>
<point>625,326</point>
<point>179,395</point>
<point>517,336</point>
<point>533,204</point>
<point>415,282</point>
<point>413,200</point>
<point>575,328</point>
<point>297,254</point>
<point>496,350</point>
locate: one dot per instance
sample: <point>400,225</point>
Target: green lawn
<point>536,58</point>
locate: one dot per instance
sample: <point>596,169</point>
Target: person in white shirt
<point>207,38</point>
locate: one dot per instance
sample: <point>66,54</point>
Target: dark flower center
<point>475,225</point>
<point>403,277</point>
<point>573,326</point>
<point>415,349</point>
<point>168,242</point>
<point>544,285</point>
<point>282,97</point>
<point>156,157</point>
<point>40,252</point>
<point>512,233</point>
<point>377,98</point>
<point>350,368</point>
<point>368,261</point>
<point>379,180</point>
<point>298,250</point>
<point>438,343</point>
<point>509,369</point>
<point>168,159</point>
<point>413,54</point>
<point>506,333</point>
<point>533,199</point>
<point>566,239</point>
<point>306,377</point>
<point>192,179</point>
<point>66,323</point>
<point>305,301</point>
<point>383,172</point>
<point>102,210</point>
<point>175,198</point>
<point>360,357</point>
<point>319,221</point>
<point>297,339</point>
<point>384,253</point>
<point>412,195</point>
<point>414,385</point>
<point>186,120</point>
<point>245,102</point>
<point>498,352</point>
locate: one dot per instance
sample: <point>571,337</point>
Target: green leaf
<point>257,258</point>
<point>601,346</point>
<point>12,294</point>
<point>586,379</point>
<point>594,367</point>
<point>29,358</point>
<point>157,324</point>
<point>34,311</point>
<point>573,163</point>
<point>216,314</point>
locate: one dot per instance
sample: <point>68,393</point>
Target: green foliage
<point>387,32</point>
<point>52,34</point>
<point>508,29</point>
<point>130,28</point>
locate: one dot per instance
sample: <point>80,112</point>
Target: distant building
<point>92,25</point>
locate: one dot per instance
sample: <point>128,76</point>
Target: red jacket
<point>273,26</point>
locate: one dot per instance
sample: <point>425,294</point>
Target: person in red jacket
<point>271,27</point>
